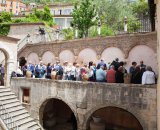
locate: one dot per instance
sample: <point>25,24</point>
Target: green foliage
<point>140,8</point>
<point>105,31</point>
<point>68,34</point>
<point>113,11</point>
<point>133,25</point>
<point>4,29</point>
<point>84,17</point>
<point>5,17</point>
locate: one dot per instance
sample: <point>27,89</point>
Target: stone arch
<point>128,109</point>
<point>87,55</point>
<point>66,55</point>
<point>109,54</point>
<point>7,51</point>
<point>33,57</point>
<point>145,53</point>
<point>44,102</point>
<point>48,57</point>
<point>9,63</point>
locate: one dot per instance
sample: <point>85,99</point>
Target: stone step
<point>6,94</point>
<point>1,87</point>
<point>5,90</point>
<point>13,100</point>
<point>8,97</point>
<point>12,105</point>
<point>27,125</point>
<point>23,121</point>
<point>20,117</point>
<point>35,127</point>
<point>20,112</point>
<point>15,108</point>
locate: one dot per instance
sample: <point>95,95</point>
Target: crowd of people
<point>114,72</point>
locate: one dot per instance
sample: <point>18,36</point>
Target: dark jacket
<point>119,77</point>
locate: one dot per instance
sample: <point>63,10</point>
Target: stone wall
<point>84,98</point>
<point>129,48</point>
<point>20,30</point>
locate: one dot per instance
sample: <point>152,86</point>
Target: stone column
<point>10,67</point>
<point>158,51</point>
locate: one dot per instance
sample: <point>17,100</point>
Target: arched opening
<point>3,67</point>
<point>147,55</point>
<point>113,118</point>
<point>111,53</point>
<point>33,58</point>
<point>48,57</point>
<point>66,55</point>
<point>87,55</point>
<point>57,115</point>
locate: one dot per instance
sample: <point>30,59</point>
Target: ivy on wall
<point>4,29</point>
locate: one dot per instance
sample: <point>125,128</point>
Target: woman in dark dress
<point>49,69</point>
<point>120,75</point>
<point>136,76</point>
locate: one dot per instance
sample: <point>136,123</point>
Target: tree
<point>140,8</point>
<point>113,11</point>
<point>5,19</point>
<point>84,17</point>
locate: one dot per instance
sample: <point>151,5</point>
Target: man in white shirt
<point>148,76</point>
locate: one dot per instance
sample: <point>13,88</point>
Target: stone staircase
<point>13,114</point>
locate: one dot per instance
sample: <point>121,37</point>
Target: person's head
<point>41,62</point>
<point>138,69</point>
<point>0,65</point>
<point>134,63</point>
<point>77,65</point>
<point>74,63</point>
<point>85,65</point>
<point>102,60</point>
<point>49,64</point>
<point>117,59</point>
<point>90,63</point>
<point>121,63</point>
<point>112,67</point>
<point>57,62</point>
<point>65,63</point>
<point>149,68</point>
<point>94,64</point>
<point>120,69</point>
<point>70,64</point>
<point>102,67</point>
<point>141,62</point>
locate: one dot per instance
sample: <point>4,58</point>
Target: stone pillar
<point>158,51</point>
<point>10,67</point>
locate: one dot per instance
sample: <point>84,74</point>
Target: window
<point>16,5</point>
<point>53,12</point>
<point>26,95</point>
<point>67,11</point>
<point>60,12</point>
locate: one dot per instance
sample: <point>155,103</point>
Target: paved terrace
<point>84,98</point>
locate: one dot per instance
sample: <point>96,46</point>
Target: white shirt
<point>148,77</point>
